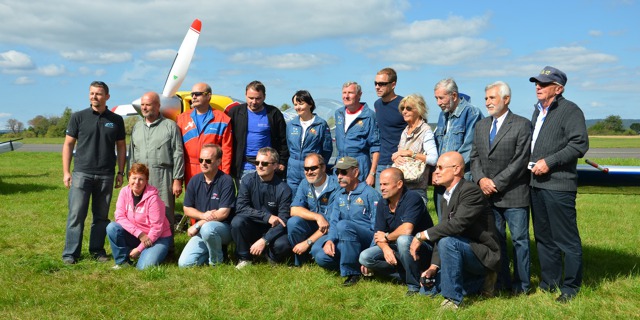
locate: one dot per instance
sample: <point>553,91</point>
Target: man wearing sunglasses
<point>466,256</point>
<point>257,125</point>
<point>204,125</point>
<point>263,208</point>
<point>310,208</point>
<point>209,200</point>
<point>351,225</point>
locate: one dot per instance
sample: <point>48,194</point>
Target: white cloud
<point>161,54</point>
<point>595,33</point>
<point>597,104</point>
<point>454,26</point>
<point>5,115</point>
<point>52,70</point>
<point>282,61</point>
<point>15,60</point>
<point>23,80</point>
<point>96,57</point>
<point>570,58</point>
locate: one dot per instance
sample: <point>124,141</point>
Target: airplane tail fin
<point>183,60</point>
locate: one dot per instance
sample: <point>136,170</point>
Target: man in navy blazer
<point>499,157</point>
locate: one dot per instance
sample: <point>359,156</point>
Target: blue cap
<point>550,75</point>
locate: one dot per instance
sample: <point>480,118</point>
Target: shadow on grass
<point>13,188</point>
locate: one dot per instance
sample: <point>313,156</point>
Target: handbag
<point>412,169</point>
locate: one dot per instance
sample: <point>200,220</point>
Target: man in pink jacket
<point>141,230</point>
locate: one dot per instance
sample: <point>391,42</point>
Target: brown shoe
<point>488,288</point>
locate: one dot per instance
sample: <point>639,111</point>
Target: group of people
<point>263,184</point>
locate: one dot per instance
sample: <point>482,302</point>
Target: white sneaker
<point>242,264</point>
<point>449,305</point>
<point>120,266</point>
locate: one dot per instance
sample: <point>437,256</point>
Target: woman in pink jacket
<point>141,230</point>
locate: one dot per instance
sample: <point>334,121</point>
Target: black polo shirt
<point>220,193</point>
<point>96,136</point>
<point>410,209</point>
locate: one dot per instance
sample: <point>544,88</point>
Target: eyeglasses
<point>406,108</point>
<point>343,172</point>
<point>198,93</point>
<point>380,84</point>
<point>312,168</point>
<point>544,85</point>
<point>264,163</point>
<point>440,167</point>
<point>207,161</point>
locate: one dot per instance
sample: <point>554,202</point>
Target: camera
<point>427,282</point>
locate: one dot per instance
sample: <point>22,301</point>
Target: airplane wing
<point>183,60</point>
<point>126,110</point>
<point>9,146</point>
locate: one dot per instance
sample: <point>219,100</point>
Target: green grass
<point>37,285</point>
<point>614,142</point>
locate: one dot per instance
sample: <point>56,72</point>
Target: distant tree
<point>284,107</point>
<point>15,126</point>
<point>58,126</point>
<point>611,125</point>
<point>40,125</point>
<point>635,127</point>
<point>129,122</point>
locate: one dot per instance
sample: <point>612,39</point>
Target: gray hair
<point>504,90</point>
<point>348,83</point>
<point>448,84</point>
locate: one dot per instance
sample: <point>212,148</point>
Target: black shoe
<point>564,298</point>
<point>411,293</point>
<point>351,280</point>
<point>102,258</point>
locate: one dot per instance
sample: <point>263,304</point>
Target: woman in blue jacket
<point>305,134</point>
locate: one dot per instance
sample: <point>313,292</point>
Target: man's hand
<point>413,248</point>
<point>487,186</point>
<point>177,188</point>
<point>323,225</point>
<point>119,180</point>
<point>371,180</point>
<point>257,247</point>
<point>145,239</point>
<point>329,248</point>
<point>301,247</point>
<point>540,168</point>
<point>389,256</point>
<point>275,220</point>
<point>365,271</point>
<point>379,237</point>
<point>67,180</point>
<point>192,231</point>
<point>431,272</point>
<point>209,215</point>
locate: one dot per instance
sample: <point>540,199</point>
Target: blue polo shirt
<point>410,209</point>
<point>306,196</point>
<point>203,196</point>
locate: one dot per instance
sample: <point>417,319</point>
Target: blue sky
<point>51,50</point>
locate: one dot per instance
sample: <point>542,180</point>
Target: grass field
<point>37,285</point>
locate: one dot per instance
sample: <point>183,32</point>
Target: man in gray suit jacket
<point>499,157</point>
<point>466,256</point>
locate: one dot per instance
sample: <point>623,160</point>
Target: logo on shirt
<point>271,204</point>
<point>324,200</point>
<point>360,123</point>
<point>359,201</point>
<point>313,131</point>
<point>109,125</point>
<point>341,203</point>
<point>189,125</point>
<point>295,131</point>
<point>309,195</point>
<point>215,196</point>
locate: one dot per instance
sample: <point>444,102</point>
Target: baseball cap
<point>549,75</point>
<point>346,163</point>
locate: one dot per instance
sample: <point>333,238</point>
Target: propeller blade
<point>183,60</point>
<point>127,109</point>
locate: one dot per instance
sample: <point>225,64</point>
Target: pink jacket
<point>147,217</point>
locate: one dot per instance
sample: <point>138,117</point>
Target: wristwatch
<point>197,226</point>
<point>120,174</point>
<point>386,236</point>
<point>309,242</point>
<point>418,236</point>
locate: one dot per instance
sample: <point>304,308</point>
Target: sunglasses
<point>380,84</point>
<point>343,172</point>
<point>312,168</point>
<point>439,167</point>
<point>263,163</point>
<point>197,93</point>
<point>207,161</point>
<point>406,108</point>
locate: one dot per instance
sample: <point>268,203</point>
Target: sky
<point>51,50</point>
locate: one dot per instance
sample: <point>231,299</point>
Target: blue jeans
<point>379,169</point>
<point>461,273</point>
<point>246,230</point>
<point>298,230</point>
<point>407,270</point>
<point>518,221</point>
<point>206,246</point>
<point>351,239</point>
<point>84,186</point>
<point>122,242</point>
<point>555,229</point>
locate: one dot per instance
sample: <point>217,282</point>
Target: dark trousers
<point>245,230</point>
<point>556,233</point>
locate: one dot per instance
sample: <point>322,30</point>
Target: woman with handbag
<point>417,148</point>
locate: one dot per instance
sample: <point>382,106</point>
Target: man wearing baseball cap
<point>351,223</point>
<point>555,150</point>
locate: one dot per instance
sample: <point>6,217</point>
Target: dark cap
<point>346,163</point>
<point>550,75</point>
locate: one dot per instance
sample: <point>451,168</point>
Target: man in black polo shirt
<point>210,199</point>
<point>401,214</point>
<point>97,131</point>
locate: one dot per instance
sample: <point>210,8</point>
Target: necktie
<point>494,130</point>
